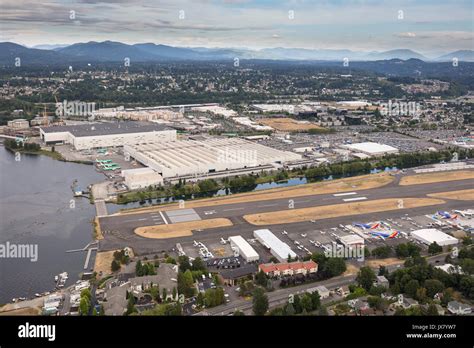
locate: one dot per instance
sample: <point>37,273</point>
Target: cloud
<point>408,35</point>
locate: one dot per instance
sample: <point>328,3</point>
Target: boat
<point>37,295</point>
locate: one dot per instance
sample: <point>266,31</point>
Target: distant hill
<point>112,51</point>
<point>403,54</point>
<point>462,55</point>
<point>29,56</point>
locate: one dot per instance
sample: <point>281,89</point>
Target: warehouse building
<point>244,248</point>
<point>141,178</point>
<point>97,135</point>
<point>351,240</point>
<point>430,235</point>
<point>19,123</point>
<point>371,149</point>
<point>277,248</point>
<point>211,155</point>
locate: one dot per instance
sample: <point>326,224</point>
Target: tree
<point>334,266</point>
<point>376,302</point>
<point>238,313</point>
<point>411,287</point>
<point>261,278</point>
<point>420,294</point>
<point>131,305</point>
<point>199,265</point>
<point>366,277</point>
<point>306,302</point>
<point>432,310</point>
<point>315,300</point>
<point>434,248</point>
<point>433,286</point>
<point>184,264</point>
<point>383,270</point>
<point>115,266</point>
<point>260,302</point>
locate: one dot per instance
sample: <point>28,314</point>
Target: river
<point>36,208</point>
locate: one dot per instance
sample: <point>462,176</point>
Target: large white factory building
<point>212,155</point>
<point>97,135</point>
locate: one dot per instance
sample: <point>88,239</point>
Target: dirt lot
<point>181,229</point>
<point>103,261</point>
<point>363,182</point>
<point>288,124</point>
<point>337,210</point>
<point>462,195</point>
<point>436,177</point>
<point>384,262</point>
<point>23,311</point>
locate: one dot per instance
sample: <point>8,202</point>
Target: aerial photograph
<point>201,163</point>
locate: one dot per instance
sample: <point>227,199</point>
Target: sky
<point>428,27</point>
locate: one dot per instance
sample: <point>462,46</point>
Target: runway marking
<point>345,194</point>
<point>144,219</point>
<point>163,217</point>
<point>354,199</point>
<point>268,205</point>
<point>303,201</point>
<point>233,209</point>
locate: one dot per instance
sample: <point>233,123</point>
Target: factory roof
<point>280,248</point>
<point>95,129</point>
<point>371,148</point>
<point>431,235</point>
<point>244,247</point>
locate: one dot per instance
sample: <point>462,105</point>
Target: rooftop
<point>94,129</point>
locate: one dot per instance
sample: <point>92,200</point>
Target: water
<point>113,208</point>
<point>35,208</point>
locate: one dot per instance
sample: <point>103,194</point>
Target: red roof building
<point>292,268</point>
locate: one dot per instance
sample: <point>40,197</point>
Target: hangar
<point>278,248</point>
<point>245,249</point>
<point>430,235</point>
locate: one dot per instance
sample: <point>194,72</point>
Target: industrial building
<point>97,135</point>
<point>244,248</point>
<point>430,235</point>
<point>351,240</point>
<point>200,157</point>
<point>277,248</point>
<point>141,178</point>
<point>19,123</point>
<point>371,149</point>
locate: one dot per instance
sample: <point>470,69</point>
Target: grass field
<point>436,177</point>
<point>180,229</point>
<point>337,210</point>
<point>461,195</point>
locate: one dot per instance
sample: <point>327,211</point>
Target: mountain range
<point>111,51</point>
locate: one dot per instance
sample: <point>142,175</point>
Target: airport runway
<point>118,230</point>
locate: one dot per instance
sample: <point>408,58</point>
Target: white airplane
<point>303,235</point>
<point>195,243</point>
<point>284,232</point>
<point>223,241</point>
